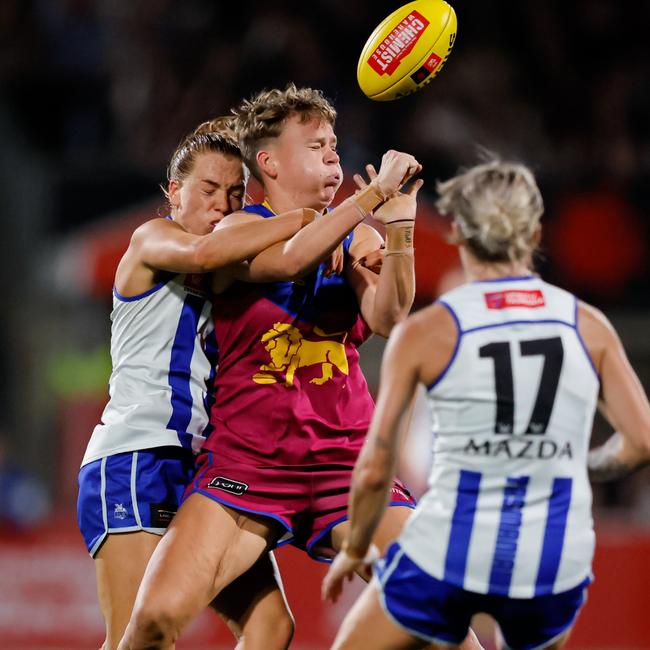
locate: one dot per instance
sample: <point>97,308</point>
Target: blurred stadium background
<point>94,97</point>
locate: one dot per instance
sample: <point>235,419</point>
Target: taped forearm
<point>399,237</point>
<point>366,200</point>
<point>395,289</point>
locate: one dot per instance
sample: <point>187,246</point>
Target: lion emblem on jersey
<point>290,350</point>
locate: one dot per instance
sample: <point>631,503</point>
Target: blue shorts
<point>139,490</point>
<point>437,611</point>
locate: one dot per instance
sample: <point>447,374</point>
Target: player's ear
<point>266,163</point>
<point>174,194</point>
<point>537,235</point>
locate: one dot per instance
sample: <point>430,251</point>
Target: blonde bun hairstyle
<point>214,136</point>
<point>497,207</point>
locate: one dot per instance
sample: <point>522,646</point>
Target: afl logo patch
<point>228,485</point>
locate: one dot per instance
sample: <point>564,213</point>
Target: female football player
<point>514,368</point>
<point>140,457</point>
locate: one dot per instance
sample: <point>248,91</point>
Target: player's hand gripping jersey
<point>289,390</point>
<point>508,511</point>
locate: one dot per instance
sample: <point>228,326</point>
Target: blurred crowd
<point>103,91</point>
<point>95,95</point>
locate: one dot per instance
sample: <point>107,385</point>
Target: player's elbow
<point>381,330</point>
<point>384,322</point>
<point>294,265</point>
<point>639,442</point>
<point>373,478</point>
<point>380,325</point>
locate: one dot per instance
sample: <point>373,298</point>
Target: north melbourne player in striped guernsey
<point>140,457</point>
<point>514,369</point>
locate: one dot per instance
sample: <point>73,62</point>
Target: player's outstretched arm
<point>623,401</point>
<point>295,258</point>
<point>418,350</point>
<point>385,299</point>
<point>163,245</point>
<point>376,465</point>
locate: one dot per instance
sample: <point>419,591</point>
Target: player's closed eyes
<point>320,145</point>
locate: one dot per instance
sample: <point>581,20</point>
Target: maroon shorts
<point>307,500</point>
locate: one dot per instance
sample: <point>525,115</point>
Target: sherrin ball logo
<point>407,49</point>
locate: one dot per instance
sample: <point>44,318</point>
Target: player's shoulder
<point>592,322</point>
<point>599,336</point>
<point>426,340</point>
<point>436,313</point>
<point>157,227</point>
<point>592,314</point>
<point>153,226</point>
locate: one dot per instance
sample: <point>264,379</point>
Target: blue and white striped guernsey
<point>164,351</point>
<point>508,510</point>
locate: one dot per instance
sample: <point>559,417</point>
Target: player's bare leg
<point>206,547</point>
<point>120,564</point>
<point>256,612</point>
<point>255,608</point>
<point>366,627</point>
<point>388,531</point>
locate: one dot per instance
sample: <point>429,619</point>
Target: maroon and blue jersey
<point>289,390</point>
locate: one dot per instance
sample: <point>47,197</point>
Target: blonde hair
<point>497,207</point>
<point>265,114</point>
<point>224,125</point>
<point>214,136</point>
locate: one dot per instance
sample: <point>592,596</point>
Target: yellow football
<point>407,50</point>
